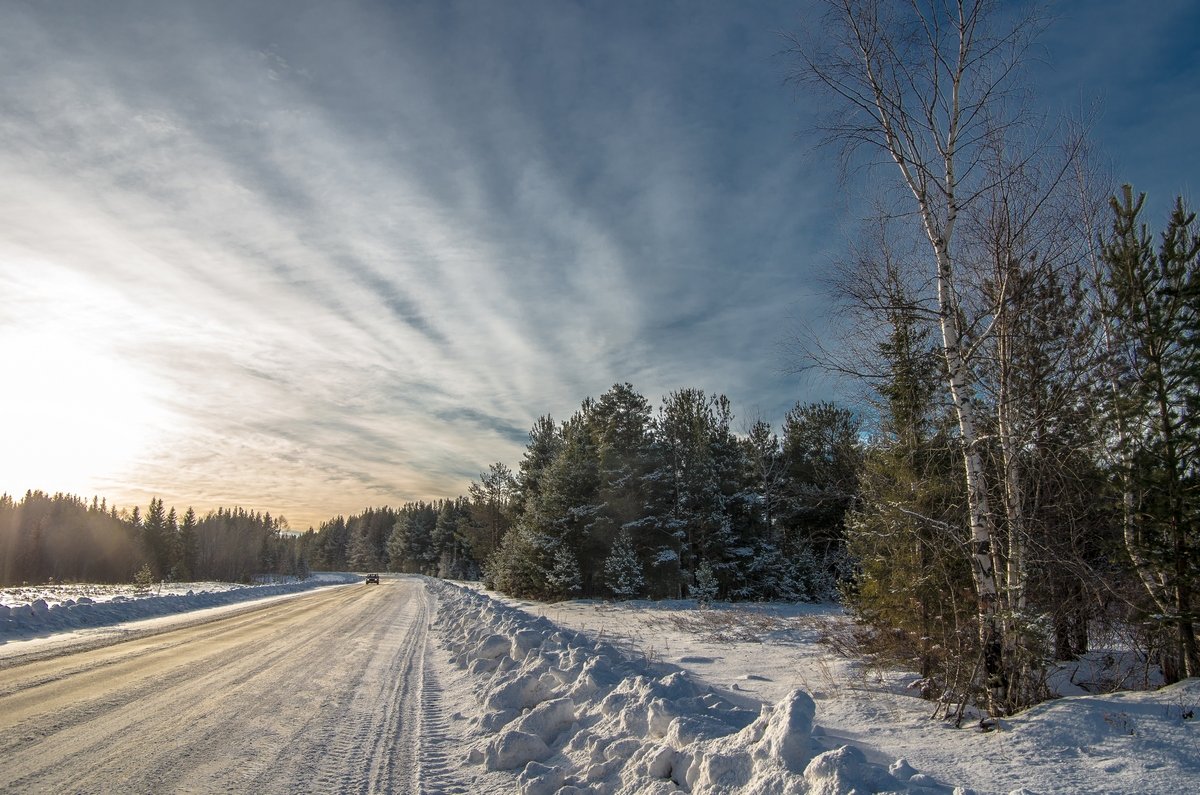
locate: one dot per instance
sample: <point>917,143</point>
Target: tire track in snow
<point>437,775</point>
<point>319,694</point>
<point>440,773</point>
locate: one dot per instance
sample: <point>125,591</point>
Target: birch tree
<point>1027,264</point>
<point>930,85</point>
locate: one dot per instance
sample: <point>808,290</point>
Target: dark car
<point>372,578</point>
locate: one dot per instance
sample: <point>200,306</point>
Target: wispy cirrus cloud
<point>358,251</point>
<point>338,255</point>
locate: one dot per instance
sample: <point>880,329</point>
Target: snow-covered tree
<point>564,576</point>
<point>623,569</point>
<point>707,587</point>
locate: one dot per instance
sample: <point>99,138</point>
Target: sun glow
<point>73,415</point>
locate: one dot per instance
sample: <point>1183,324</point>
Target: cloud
<point>354,250</point>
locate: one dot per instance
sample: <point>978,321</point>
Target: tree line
<point>626,501</point>
<point>436,538</point>
<point>65,538</point>
<point>621,501</point>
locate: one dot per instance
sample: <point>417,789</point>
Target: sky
<point>310,257</point>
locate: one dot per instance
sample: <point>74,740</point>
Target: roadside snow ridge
<point>40,618</point>
<point>574,716</point>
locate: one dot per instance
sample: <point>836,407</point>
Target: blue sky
<point>312,256</point>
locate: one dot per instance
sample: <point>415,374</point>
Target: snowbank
<point>40,617</point>
<point>1141,742</point>
<point>573,715</point>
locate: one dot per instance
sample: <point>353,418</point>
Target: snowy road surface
<point>328,692</point>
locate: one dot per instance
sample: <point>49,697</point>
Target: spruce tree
<point>911,574</point>
<point>707,587</point>
<point>188,546</point>
<point>564,576</point>
<point>397,546</point>
<point>154,538</point>
<point>568,506</point>
<point>545,443</point>
<point>623,569</point>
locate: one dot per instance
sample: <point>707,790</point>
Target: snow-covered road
<point>328,692</point>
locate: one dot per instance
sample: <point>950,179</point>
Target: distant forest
<point>622,501</point>
<point>618,501</point>
<point>64,538</point>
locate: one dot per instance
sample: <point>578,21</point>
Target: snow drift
<point>39,617</point>
<point>573,715</point>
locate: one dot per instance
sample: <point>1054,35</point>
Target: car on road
<point>372,579</point>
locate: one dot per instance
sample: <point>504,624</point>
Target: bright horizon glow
<point>73,412</point>
<point>308,257</point>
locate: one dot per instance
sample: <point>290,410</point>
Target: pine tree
<point>822,458</point>
<point>702,474</point>
<point>491,503</point>
<point>1152,314</point>
<point>765,476</point>
<point>624,455</point>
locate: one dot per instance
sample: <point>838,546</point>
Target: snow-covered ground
<point>640,697</point>
<point>663,697</point>
<point>39,611</point>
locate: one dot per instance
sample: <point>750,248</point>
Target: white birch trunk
<point>1014,493</point>
<point>921,131</point>
<point>961,392</point>
<point>960,381</point>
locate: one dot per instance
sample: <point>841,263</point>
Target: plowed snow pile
<point>65,608</point>
<point>1138,741</point>
<point>575,716</point>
